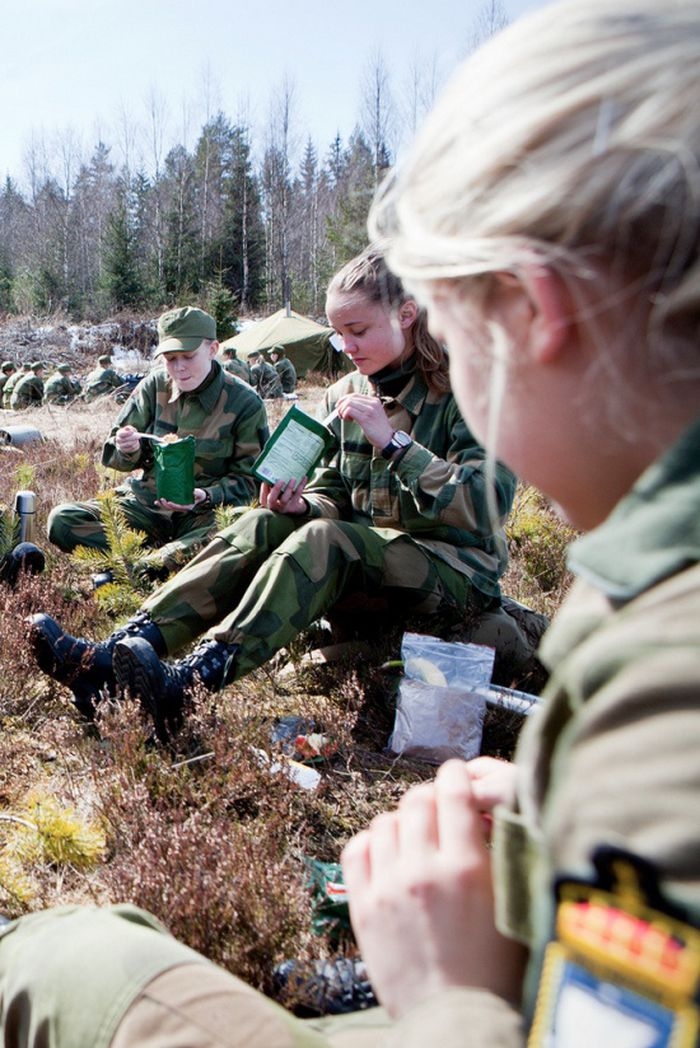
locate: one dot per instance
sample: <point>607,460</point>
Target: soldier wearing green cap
<point>6,370</point>
<point>102,380</point>
<point>231,362</point>
<point>264,377</point>
<point>284,368</point>
<point>10,384</point>
<point>29,391</point>
<point>60,388</point>
<point>187,393</point>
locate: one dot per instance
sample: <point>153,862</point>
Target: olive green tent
<point>306,343</point>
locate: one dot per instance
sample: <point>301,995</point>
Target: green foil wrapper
<point>174,464</point>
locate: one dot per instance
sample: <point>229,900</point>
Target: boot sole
<point>134,667</point>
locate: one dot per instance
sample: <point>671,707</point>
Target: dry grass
<point>206,837</point>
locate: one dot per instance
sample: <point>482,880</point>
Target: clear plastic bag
<point>440,710</point>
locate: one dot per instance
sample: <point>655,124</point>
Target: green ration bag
<point>174,461</point>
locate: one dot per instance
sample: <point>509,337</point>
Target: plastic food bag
<point>440,710</point>
<point>174,462</point>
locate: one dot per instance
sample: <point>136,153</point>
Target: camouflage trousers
<point>173,537</point>
<point>268,576</point>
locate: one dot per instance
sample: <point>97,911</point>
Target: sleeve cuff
<point>458,1018</point>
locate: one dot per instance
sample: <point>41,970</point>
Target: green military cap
<point>7,365</point>
<point>105,360</point>
<point>182,330</point>
<point>279,350</point>
<point>64,368</point>
<point>37,365</point>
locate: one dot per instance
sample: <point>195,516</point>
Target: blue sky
<point>75,71</point>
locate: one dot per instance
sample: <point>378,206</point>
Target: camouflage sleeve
<point>139,412</point>
<point>460,490</point>
<point>251,431</point>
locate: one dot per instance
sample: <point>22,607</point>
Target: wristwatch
<point>398,445</point>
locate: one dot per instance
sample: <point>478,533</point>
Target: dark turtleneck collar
<point>391,380</point>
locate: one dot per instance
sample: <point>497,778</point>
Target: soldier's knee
<point>57,529</point>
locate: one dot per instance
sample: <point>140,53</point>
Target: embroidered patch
<point>624,967</point>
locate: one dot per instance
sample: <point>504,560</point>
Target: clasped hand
<point>421,898</point>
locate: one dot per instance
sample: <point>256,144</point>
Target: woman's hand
<point>369,414</point>
<point>127,440</point>
<point>284,497</point>
<point>421,900</point>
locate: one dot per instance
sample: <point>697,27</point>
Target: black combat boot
<point>83,665</point>
<point>24,558</point>
<point>163,687</point>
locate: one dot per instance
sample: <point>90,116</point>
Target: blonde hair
<point>369,274</point>
<point>572,139</point>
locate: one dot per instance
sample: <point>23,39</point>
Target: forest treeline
<point>209,224</point>
<point>208,227</point>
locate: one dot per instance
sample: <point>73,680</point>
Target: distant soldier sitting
<point>7,369</point>
<point>264,377</point>
<point>102,379</point>
<point>29,391</point>
<point>234,366</point>
<point>60,388</point>
<point>10,384</point>
<point>284,368</point>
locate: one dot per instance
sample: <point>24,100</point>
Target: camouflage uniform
<point>237,367</point>
<point>10,384</point>
<point>100,381</point>
<point>230,425</point>
<point>265,379</point>
<point>60,388</point>
<point>287,373</point>
<point>5,376</point>
<point>28,392</point>
<point>417,532</point>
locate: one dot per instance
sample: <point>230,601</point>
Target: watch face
<point>401,439</point>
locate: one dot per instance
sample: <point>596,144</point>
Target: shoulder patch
<point>623,968</point>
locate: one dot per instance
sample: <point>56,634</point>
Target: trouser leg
<point>210,587</point>
<point>314,567</point>
<point>74,524</point>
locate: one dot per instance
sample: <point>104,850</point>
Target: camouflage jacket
<point>9,386</point>
<point>101,381</point>
<point>28,391</point>
<point>226,417</point>
<point>237,367</point>
<point>59,389</point>
<point>266,380</point>
<point>287,373</point>
<point>438,491</point>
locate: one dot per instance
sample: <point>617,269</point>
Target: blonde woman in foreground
<point>548,218</point>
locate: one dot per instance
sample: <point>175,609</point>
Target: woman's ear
<point>408,311</point>
<point>535,308</point>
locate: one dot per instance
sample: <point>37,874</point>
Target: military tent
<point>306,343</point>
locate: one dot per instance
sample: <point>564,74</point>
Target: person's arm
<point>450,486</point>
<point>421,905</point>
<point>139,412</point>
